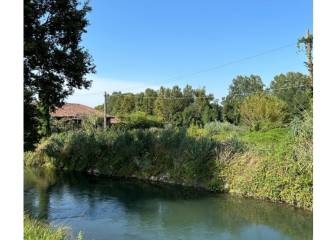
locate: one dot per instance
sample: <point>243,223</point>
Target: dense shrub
<point>216,127</point>
<point>149,152</point>
<point>92,121</point>
<point>140,120</point>
<point>262,111</point>
<point>62,125</point>
<point>282,174</point>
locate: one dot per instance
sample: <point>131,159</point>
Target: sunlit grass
<point>37,230</point>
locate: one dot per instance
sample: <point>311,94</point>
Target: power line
<point>214,67</point>
<point>234,61</point>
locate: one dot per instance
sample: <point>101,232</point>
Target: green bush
<point>62,125</point>
<point>140,120</point>
<point>216,127</point>
<point>262,111</point>
<point>92,122</point>
<point>139,152</point>
<point>282,174</point>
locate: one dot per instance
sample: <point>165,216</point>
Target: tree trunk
<point>45,129</point>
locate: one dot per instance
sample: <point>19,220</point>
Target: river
<point>104,208</point>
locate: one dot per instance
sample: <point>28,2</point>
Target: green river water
<point>104,208</point>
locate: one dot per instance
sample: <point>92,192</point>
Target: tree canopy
<point>54,61</point>
<point>241,87</point>
<point>172,105</point>
<point>295,90</point>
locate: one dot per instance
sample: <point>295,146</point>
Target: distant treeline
<point>248,102</point>
<point>172,105</point>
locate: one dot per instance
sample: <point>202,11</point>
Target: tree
<point>295,90</point>
<point>128,103</point>
<point>149,99</point>
<point>212,112</point>
<point>192,116</point>
<point>241,87</point>
<point>262,111</point>
<point>170,104</point>
<point>307,41</point>
<point>30,134</point>
<point>54,61</point>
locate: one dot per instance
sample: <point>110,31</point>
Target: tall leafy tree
<point>241,87</point>
<point>54,61</point>
<point>169,104</point>
<point>295,90</point>
<point>149,99</point>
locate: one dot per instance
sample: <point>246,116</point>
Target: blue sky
<point>152,43</point>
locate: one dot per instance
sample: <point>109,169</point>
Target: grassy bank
<point>274,164</point>
<point>37,230</point>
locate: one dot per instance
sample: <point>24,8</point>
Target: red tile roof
<point>74,110</point>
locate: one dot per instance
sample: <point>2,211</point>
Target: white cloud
<point>94,95</point>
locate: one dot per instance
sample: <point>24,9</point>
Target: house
<point>77,112</point>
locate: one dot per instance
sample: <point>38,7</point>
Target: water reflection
<point>126,209</point>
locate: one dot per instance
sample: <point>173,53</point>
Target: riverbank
<point>37,230</point>
<point>274,165</point>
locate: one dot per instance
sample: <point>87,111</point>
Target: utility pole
<point>307,41</point>
<point>105,111</point>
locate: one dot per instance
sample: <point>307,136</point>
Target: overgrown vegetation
<point>37,230</point>
<point>277,166</point>
<point>248,103</point>
<point>168,153</point>
<point>262,111</point>
<point>281,172</point>
<point>55,63</point>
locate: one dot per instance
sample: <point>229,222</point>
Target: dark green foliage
<point>171,105</point>
<point>30,133</point>
<point>123,103</point>
<point>54,61</point>
<point>241,87</point>
<point>295,90</point>
<point>63,125</point>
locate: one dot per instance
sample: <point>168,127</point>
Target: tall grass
<point>283,173</point>
<point>37,230</point>
<point>143,153</point>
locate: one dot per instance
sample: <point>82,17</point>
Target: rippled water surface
<point>103,208</point>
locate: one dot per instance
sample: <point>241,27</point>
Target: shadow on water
<point>57,195</point>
